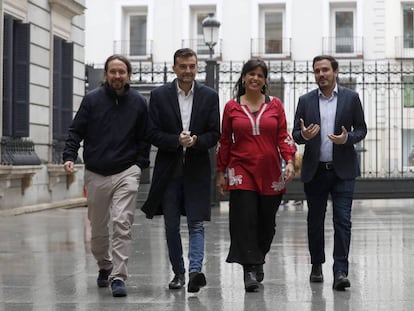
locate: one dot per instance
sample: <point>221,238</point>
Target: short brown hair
<point>332,60</point>
<point>185,52</point>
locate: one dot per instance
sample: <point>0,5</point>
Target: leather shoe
<point>340,281</point>
<point>177,282</point>
<point>259,273</point>
<point>316,275</point>
<point>250,282</point>
<point>196,281</point>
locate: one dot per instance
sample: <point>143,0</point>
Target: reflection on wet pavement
<point>46,264</point>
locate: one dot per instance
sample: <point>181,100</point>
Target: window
<point>62,88</point>
<point>344,32</point>
<point>277,88</point>
<point>271,40</point>
<point>138,35</point>
<point>408,27</point>
<point>16,62</point>
<point>408,91</point>
<point>132,40</point>
<point>408,147</point>
<point>273,32</point>
<point>342,40</point>
<point>62,94</point>
<point>196,33</point>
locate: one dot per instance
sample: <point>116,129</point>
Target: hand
<point>339,139</point>
<point>193,141</point>
<point>220,182</point>
<point>289,172</point>
<point>69,167</point>
<point>185,139</point>
<point>309,132</point>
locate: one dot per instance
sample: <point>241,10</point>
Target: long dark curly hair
<point>252,64</point>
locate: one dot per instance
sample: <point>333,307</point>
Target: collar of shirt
<point>186,105</point>
<point>180,92</point>
<point>334,93</point>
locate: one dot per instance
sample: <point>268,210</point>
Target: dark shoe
<point>118,288</point>
<point>103,277</point>
<point>196,281</point>
<point>316,275</point>
<point>250,282</point>
<point>259,273</point>
<point>177,282</point>
<point>340,281</point>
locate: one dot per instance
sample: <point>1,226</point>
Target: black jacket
<point>113,130</point>
<point>165,126</point>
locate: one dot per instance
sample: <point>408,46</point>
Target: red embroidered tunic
<point>251,146</point>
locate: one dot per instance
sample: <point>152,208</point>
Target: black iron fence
<point>386,89</point>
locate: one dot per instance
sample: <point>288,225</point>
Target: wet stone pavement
<point>46,264</point>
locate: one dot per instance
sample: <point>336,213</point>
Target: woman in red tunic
<point>253,141</point>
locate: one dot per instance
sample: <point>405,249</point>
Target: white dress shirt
<point>186,106</point>
<point>327,109</point>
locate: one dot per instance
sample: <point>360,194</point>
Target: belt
<point>326,165</point>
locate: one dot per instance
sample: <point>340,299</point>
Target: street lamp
<point>210,31</point>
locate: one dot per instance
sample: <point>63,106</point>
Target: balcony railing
<point>404,47</point>
<point>134,49</point>
<point>340,47</point>
<point>271,49</point>
<point>202,50</point>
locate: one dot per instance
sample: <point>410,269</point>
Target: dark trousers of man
<point>326,182</point>
<point>173,205</point>
<point>252,225</point>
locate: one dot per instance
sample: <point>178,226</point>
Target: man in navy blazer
<point>329,121</point>
<point>184,123</point>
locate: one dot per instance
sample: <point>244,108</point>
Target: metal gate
<point>386,89</point>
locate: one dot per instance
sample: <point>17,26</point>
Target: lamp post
<point>210,31</point>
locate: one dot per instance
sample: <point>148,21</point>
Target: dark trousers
<point>173,204</point>
<point>317,191</point>
<point>252,224</point>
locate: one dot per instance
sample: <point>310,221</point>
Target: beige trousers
<point>112,199</point>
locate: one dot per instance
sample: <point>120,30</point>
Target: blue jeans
<point>172,208</point>
<point>317,192</point>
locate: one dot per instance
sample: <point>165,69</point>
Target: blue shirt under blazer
<point>349,113</point>
<point>164,127</point>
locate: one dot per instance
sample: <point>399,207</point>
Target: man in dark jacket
<point>111,121</point>
<point>183,125</point>
<point>329,121</point>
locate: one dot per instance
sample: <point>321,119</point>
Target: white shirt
<point>327,109</point>
<point>186,106</point>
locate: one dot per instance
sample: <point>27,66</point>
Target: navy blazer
<point>349,113</point>
<point>164,128</point>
